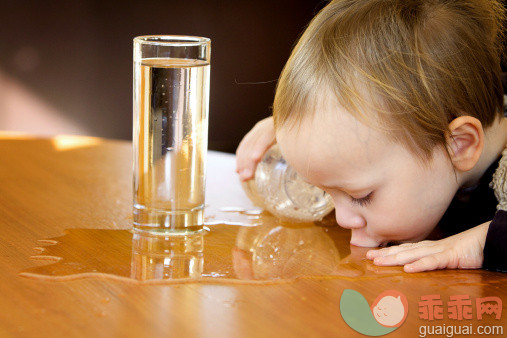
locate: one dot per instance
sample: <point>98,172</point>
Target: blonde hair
<point>416,64</point>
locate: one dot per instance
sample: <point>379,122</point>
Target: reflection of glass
<point>170,135</point>
<point>167,257</point>
<point>282,250</point>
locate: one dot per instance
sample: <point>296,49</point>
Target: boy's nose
<point>347,218</point>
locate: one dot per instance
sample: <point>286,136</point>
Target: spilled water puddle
<point>263,250</point>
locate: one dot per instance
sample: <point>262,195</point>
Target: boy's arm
<point>482,246</point>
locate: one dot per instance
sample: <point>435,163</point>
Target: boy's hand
<point>461,251</point>
<point>253,146</point>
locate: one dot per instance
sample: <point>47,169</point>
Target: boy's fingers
<point>246,168</point>
<point>373,253</point>
<point>249,153</point>
<point>248,157</point>
<point>246,174</point>
<point>256,153</point>
<point>406,256</point>
<point>433,262</point>
<point>253,146</point>
<point>248,163</point>
<point>396,249</point>
<point>385,251</point>
<point>242,153</point>
<point>261,145</point>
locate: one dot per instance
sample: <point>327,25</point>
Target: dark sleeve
<point>495,249</point>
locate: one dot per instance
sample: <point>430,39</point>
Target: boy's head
<point>375,87</point>
<point>407,67</point>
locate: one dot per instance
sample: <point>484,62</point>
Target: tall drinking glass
<point>170,133</point>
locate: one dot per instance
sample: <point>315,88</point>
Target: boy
<point>395,108</point>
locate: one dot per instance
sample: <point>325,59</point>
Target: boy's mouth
<point>366,243</point>
<point>360,238</point>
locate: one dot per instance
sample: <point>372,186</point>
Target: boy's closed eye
<point>363,201</point>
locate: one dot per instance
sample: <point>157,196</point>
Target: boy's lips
<point>362,239</point>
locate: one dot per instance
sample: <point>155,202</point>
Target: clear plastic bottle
<point>278,189</point>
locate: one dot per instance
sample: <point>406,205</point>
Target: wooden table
<point>75,194</point>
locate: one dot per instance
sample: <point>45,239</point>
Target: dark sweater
<point>474,206</point>
<point>495,250</point>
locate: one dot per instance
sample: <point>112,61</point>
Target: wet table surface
<point>71,266</point>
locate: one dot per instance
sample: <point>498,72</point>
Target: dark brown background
<point>77,56</point>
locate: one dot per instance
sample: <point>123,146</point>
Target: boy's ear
<point>465,142</point>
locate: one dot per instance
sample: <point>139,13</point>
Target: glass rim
<point>171,40</point>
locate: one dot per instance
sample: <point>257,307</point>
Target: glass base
<point>161,222</point>
<point>167,257</point>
